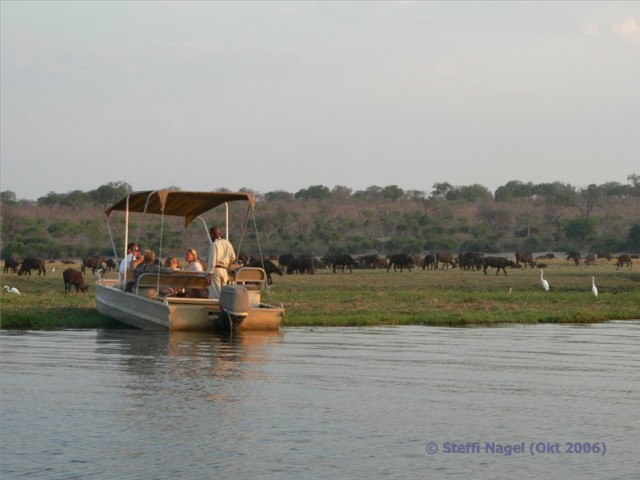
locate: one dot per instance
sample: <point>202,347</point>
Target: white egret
<point>11,290</point>
<point>543,282</point>
<point>594,289</point>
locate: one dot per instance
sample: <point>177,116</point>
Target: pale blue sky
<point>284,95</point>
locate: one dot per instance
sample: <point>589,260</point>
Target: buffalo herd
<point>309,264</point>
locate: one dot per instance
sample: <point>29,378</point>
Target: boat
<point>157,300</point>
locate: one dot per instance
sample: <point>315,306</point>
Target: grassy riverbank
<point>375,297</point>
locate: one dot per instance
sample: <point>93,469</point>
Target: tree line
<point>319,220</point>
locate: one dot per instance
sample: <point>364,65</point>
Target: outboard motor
<point>234,301</point>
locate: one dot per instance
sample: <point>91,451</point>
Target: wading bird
<point>543,282</point>
<point>11,290</point>
<point>594,289</point>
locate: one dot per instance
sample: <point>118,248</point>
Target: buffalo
<point>497,263</point>
<point>244,259</point>
<point>446,259</point>
<point>400,260</point>
<point>429,262</point>
<point>111,265</point>
<point>283,260</point>
<point>30,263</point>
<point>526,258</point>
<point>624,259</point>
<point>94,263</point>
<point>590,259</point>
<point>344,261</point>
<point>372,261</point>
<point>471,260</point>
<point>575,256</point>
<point>268,266</point>
<point>11,265</point>
<point>301,264</point>
<point>73,278</point>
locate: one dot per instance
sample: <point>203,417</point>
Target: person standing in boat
<point>193,262</point>
<point>132,260</point>
<point>221,256</point>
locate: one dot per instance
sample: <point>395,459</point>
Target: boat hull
<point>181,314</point>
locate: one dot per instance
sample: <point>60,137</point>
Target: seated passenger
<point>148,265</point>
<point>194,264</point>
<point>172,264</point>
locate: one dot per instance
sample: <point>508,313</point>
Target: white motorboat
<point>157,300</point>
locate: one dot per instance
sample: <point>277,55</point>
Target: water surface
<point>322,403</point>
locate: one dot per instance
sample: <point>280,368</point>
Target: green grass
<point>375,297</point>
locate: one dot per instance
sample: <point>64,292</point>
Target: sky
<point>285,95</point>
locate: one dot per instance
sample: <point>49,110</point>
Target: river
<point>542,401</point>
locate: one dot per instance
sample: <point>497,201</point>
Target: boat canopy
<point>177,202</point>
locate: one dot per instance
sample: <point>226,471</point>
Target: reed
<point>376,297</point>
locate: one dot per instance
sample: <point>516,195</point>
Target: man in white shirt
<point>132,260</point>
<point>221,256</point>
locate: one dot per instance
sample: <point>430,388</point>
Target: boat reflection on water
<point>211,355</point>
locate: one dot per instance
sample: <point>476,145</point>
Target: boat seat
<point>174,280</point>
<point>251,277</point>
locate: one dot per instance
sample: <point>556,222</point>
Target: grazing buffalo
<point>328,259</point>
<point>497,263</point>
<point>429,262</point>
<point>268,266</point>
<point>244,259</point>
<point>283,260</point>
<point>606,255</point>
<point>73,278</point>
<point>446,259</point>
<point>111,265</point>
<point>11,265</point>
<point>32,263</point>
<point>344,261</point>
<point>575,256</point>
<point>624,260</point>
<point>590,259</point>
<point>292,266</point>
<point>471,260</point>
<point>400,260</point>
<point>372,261</point>
<point>94,263</point>
<point>526,258</point>
<point>301,264</point>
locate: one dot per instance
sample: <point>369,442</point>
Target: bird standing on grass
<point>543,282</point>
<point>594,289</point>
<point>11,290</point>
